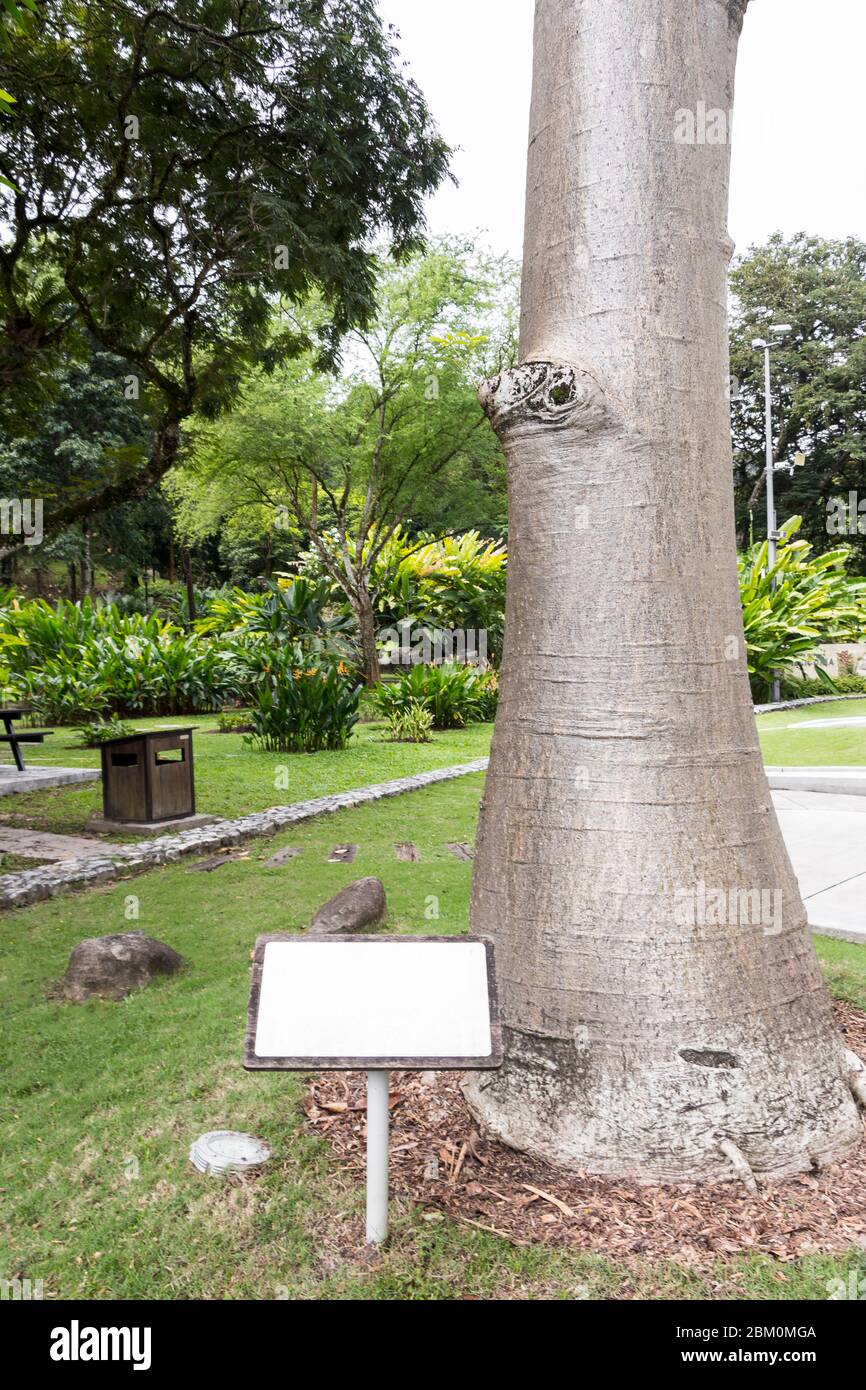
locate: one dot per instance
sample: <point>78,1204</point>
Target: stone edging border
<point>34,885</point>
<point>807,700</point>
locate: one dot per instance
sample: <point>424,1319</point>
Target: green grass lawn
<point>232,778</point>
<point>783,746</point>
<point>103,1100</point>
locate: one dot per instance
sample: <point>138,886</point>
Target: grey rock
<point>461,850</point>
<point>110,967</point>
<point>357,906</point>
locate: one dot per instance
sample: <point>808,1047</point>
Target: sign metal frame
<point>252,1062</point>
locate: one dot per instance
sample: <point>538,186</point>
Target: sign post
<point>378,1123</point>
<point>373,1004</point>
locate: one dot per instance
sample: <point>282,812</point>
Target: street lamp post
<point>772,534</point>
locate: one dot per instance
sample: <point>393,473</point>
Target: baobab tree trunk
<point>652,1031</point>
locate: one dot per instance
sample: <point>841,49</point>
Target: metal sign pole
<point>378,1087</point>
<point>370,1003</point>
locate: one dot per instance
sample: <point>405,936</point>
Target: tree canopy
<point>818,375</point>
<point>394,441</point>
<point>181,168</point>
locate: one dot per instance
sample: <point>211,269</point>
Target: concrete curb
<point>46,881</point>
<point>837,781</point>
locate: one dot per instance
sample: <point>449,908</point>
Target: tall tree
<point>85,422</point>
<point>819,383</point>
<point>346,466</point>
<point>664,1015</point>
<point>15,18</point>
<point>185,165</point>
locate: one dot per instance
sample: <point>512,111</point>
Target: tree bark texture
<point>366,616</point>
<point>643,1040</point>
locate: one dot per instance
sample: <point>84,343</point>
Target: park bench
<point>15,738</point>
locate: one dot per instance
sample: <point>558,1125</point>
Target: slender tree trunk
<point>652,1031</point>
<point>192,613</point>
<point>86,567</point>
<point>172,572</point>
<point>73,582</point>
<point>366,616</point>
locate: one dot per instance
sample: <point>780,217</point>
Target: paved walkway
<point>40,844</point>
<point>36,779</point>
<point>826,838</point>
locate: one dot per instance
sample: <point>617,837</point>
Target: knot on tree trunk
<point>737,12</point>
<point>550,395</point>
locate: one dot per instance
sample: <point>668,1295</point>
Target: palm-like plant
<point>802,601</point>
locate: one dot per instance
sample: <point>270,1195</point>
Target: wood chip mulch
<point>440,1163</point>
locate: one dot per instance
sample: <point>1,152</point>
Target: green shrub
<point>291,609</point>
<point>63,691</point>
<point>789,611</point>
<point>488,696</point>
<point>808,686</point>
<point>410,725</point>
<point>298,707</point>
<point>78,661</point>
<point>99,731</point>
<point>455,695</point>
<point>451,582</point>
<point>234,721</point>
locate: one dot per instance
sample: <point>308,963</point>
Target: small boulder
<point>360,904</point>
<point>110,967</point>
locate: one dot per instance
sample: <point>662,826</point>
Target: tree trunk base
<point>676,1123</point>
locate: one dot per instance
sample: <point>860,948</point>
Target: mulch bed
<point>441,1163</point>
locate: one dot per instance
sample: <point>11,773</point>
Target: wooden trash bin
<point>148,776</point>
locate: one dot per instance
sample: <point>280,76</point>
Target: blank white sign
<point>374,999</point>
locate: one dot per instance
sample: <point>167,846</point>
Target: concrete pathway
<point>36,779</point>
<point>826,838</point>
<point>38,844</point>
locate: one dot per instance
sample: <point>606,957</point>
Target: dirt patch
<point>440,1162</point>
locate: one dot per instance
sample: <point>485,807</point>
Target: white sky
<point>798,156</point>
